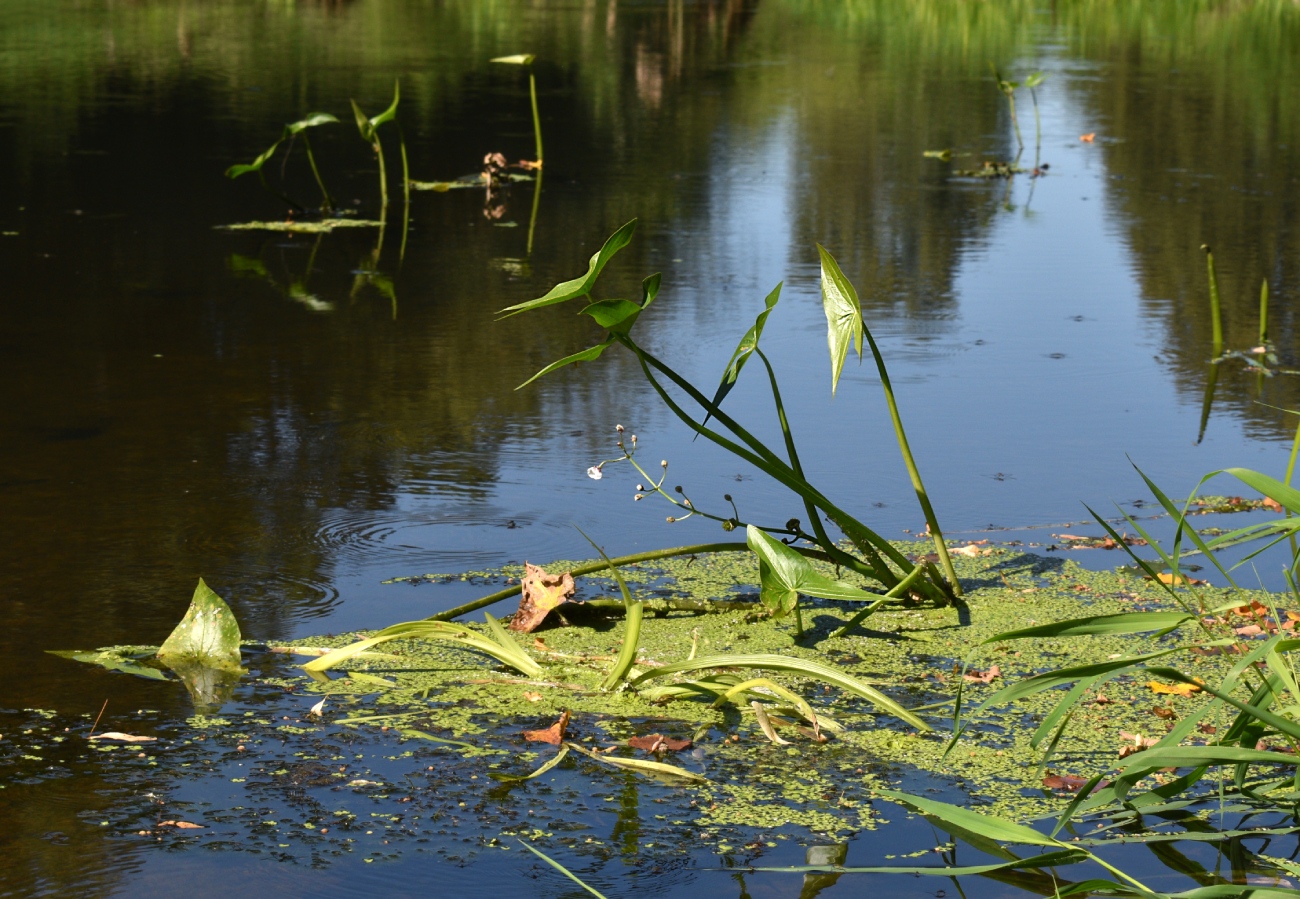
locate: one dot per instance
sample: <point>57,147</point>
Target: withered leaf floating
<point>658,743</point>
<point>553,734</point>
<point>542,592</point>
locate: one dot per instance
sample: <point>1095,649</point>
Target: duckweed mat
<point>401,755</point>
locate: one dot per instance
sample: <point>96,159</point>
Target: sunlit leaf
<point>581,285</point>
<point>746,348</point>
<point>843,314</point>
<point>546,766</point>
<point>641,766</point>
<point>519,59</point>
<point>1124,623</point>
<point>994,828</point>
<point>588,355</point>
<point>207,636</point>
<point>805,667</point>
<point>616,316</point>
<point>784,574</point>
<point>256,165</point>
<point>311,121</point>
<point>1046,860</point>
<point>391,112</point>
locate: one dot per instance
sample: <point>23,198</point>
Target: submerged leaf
<point>542,592</point>
<point>122,738</point>
<point>843,314</point>
<point>319,226</point>
<point>207,636</point>
<point>659,743</point>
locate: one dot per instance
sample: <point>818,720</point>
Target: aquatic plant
<point>291,131</point>
<point>369,131</point>
<point>526,60</point>
<point>1008,89</point>
<point>876,558</point>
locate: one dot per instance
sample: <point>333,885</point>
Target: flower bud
<point>671,519</point>
<point>663,463</point>
<point>595,473</point>
<point>678,488</point>
<point>618,428</point>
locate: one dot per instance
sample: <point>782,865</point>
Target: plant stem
<point>1015,122</point>
<point>311,159</point>
<point>1216,321</point>
<point>537,119</point>
<point>1038,129</point>
<point>1263,313</point>
<point>913,472</point>
<point>532,219</point>
<point>383,180</point>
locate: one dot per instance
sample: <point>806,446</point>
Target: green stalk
<point>1290,470</point>
<point>532,219</point>
<point>1208,400</point>
<point>769,464</point>
<point>1015,122</point>
<point>1263,313</point>
<point>819,530</point>
<point>311,159</point>
<point>383,180</point>
<point>913,472</point>
<point>537,119</point>
<point>1038,128</point>
<point>406,199</point>
<point>1216,320</point>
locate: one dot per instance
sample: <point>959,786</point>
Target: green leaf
<point>546,766</point>
<point>784,574</point>
<point>256,165</point>
<point>519,59</point>
<point>588,355</point>
<point>650,289</point>
<point>1034,79</point>
<point>616,316</point>
<point>559,867</point>
<point>745,349</point>
<point>843,314</point>
<point>1195,756</point>
<point>1274,489</point>
<point>1124,623</point>
<point>311,121</point>
<point>208,635</point>
<point>1046,860</point>
<point>363,123</point>
<point>806,667</point>
<point>504,649</point>
<point>641,766</point>
<point>113,660</point>
<point>391,112</point>
<point>580,286</point>
<point>999,829</point>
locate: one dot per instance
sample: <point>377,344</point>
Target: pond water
<point>299,418</point>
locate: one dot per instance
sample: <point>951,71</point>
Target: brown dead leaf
<point>1207,728</point>
<point>1069,783</point>
<point>659,743</point>
<point>122,738</point>
<point>1173,689</point>
<point>540,645</point>
<point>542,592</point>
<point>1269,503</point>
<point>183,825</point>
<point>1103,700</point>
<point>1089,137</point>
<point>973,550</point>
<point>553,734</point>
<point>1163,712</point>
<point>532,697</point>
<point>982,677</point>
<point>1248,630</point>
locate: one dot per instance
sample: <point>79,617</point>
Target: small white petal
<point>595,473</point>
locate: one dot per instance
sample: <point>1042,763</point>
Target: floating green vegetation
<point>306,226</point>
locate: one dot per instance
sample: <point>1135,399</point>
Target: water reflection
<point>262,410</point>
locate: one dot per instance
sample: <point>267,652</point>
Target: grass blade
<point>518,778</point>
<point>640,765</point>
<point>1124,623</point>
<point>991,827</point>
<point>796,666</point>
<point>559,867</point>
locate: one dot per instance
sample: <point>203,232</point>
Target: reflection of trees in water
<point>1199,104</point>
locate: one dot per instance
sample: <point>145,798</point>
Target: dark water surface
<point>258,409</point>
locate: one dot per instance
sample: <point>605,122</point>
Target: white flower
<point>595,473</point>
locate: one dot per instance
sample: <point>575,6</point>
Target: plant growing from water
<point>291,132</point>
<point>526,60</point>
<point>783,573</point>
<point>369,130</point>
<point>1008,89</point>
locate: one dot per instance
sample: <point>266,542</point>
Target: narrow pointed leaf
<point>843,314</point>
<point>1125,623</point>
<point>542,769</point>
<point>311,121</point>
<point>805,667</point>
<point>363,123</point>
<point>581,285</point>
<point>519,59</point>
<point>1046,860</point>
<point>256,165</point>
<point>999,829</point>
<point>745,349</point>
<point>391,112</point>
<point>588,355</point>
<point>640,765</point>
